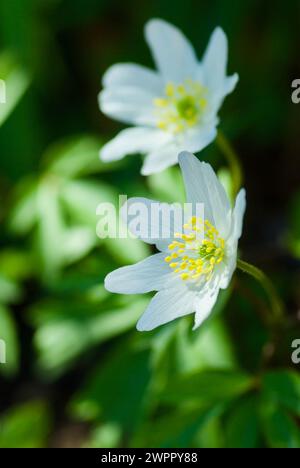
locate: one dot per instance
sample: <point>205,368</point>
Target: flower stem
<point>233,161</point>
<point>276,304</point>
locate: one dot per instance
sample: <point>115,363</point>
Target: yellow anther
<point>170,89</point>
<point>159,102</point>
<point>197,258</point>
<point>162,125</point>
<point>181,107</point>
<point>185,276</point>
<point>196,276</point>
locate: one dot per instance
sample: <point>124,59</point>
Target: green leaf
<point>16,81</point>
<point>51,239</point>
<point>66,331</point>
<point>283,387</point>
<point>8,334</point>
<point>10,292</point>
<point>24,212</point>
<point>128,250</point>
<point>167,185</point>
<point>208,387</point>
<point>76,156</point>
<point>15,264</point>
<point>211,433</point>
<point>116,392</point>
<point>81,198</point>
<point>105,436</point>
<point>242,427</point>
<point>178,428</point>
<point>25,426</point>
<point>280,429</point>
<point>208,347</point>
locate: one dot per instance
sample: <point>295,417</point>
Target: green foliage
<point>228,384</point>
<point>25,426</point>
<point>9,335</point>
<point>16,81</point>
<point>283,388</point>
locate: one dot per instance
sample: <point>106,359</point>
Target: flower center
<point>197,252</point>
<point>181,107</point>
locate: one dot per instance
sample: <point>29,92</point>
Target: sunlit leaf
<point>65,331</point>
<point>117,389</point>
<point>106,436</point>
<point>25,426</point>
<point>76,156</point>
<point>16,81</point>
<point>208,386</point>
<point>8,333</point>
<point>167,185</point>
<point>24,212</point>
<point>9,290</point>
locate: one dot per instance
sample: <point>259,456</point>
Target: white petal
<point>238,213</point>
<point>232,241</point>
<point>167,305</point>
<point>133,75</point>
<point>203,186</point>
<point>129,105</point>
<point>151,274</point>
<point>215,60</point>
<point>230,83</point>
<point>213,68</point>
<point>131,141</point>
<point>230,266</point>
<point>172,52</point>
<point>160,159</point>
<point>198,138</point>
<point>203,305</point>
<point>153,222</point>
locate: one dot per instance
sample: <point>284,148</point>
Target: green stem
<point>276,304</point>
<point>233,161</point>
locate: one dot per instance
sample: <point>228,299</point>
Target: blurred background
<point>78,374</point>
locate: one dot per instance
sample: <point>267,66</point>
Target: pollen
<point>182,106</point>
<point>198,250</point>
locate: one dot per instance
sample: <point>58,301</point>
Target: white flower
<point>196,262</point>
<point>173,109</point>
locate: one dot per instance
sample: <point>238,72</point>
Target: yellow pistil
<point>197,254</point>
<point>182,106</point>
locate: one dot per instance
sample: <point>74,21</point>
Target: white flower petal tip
<point>239,212</point>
